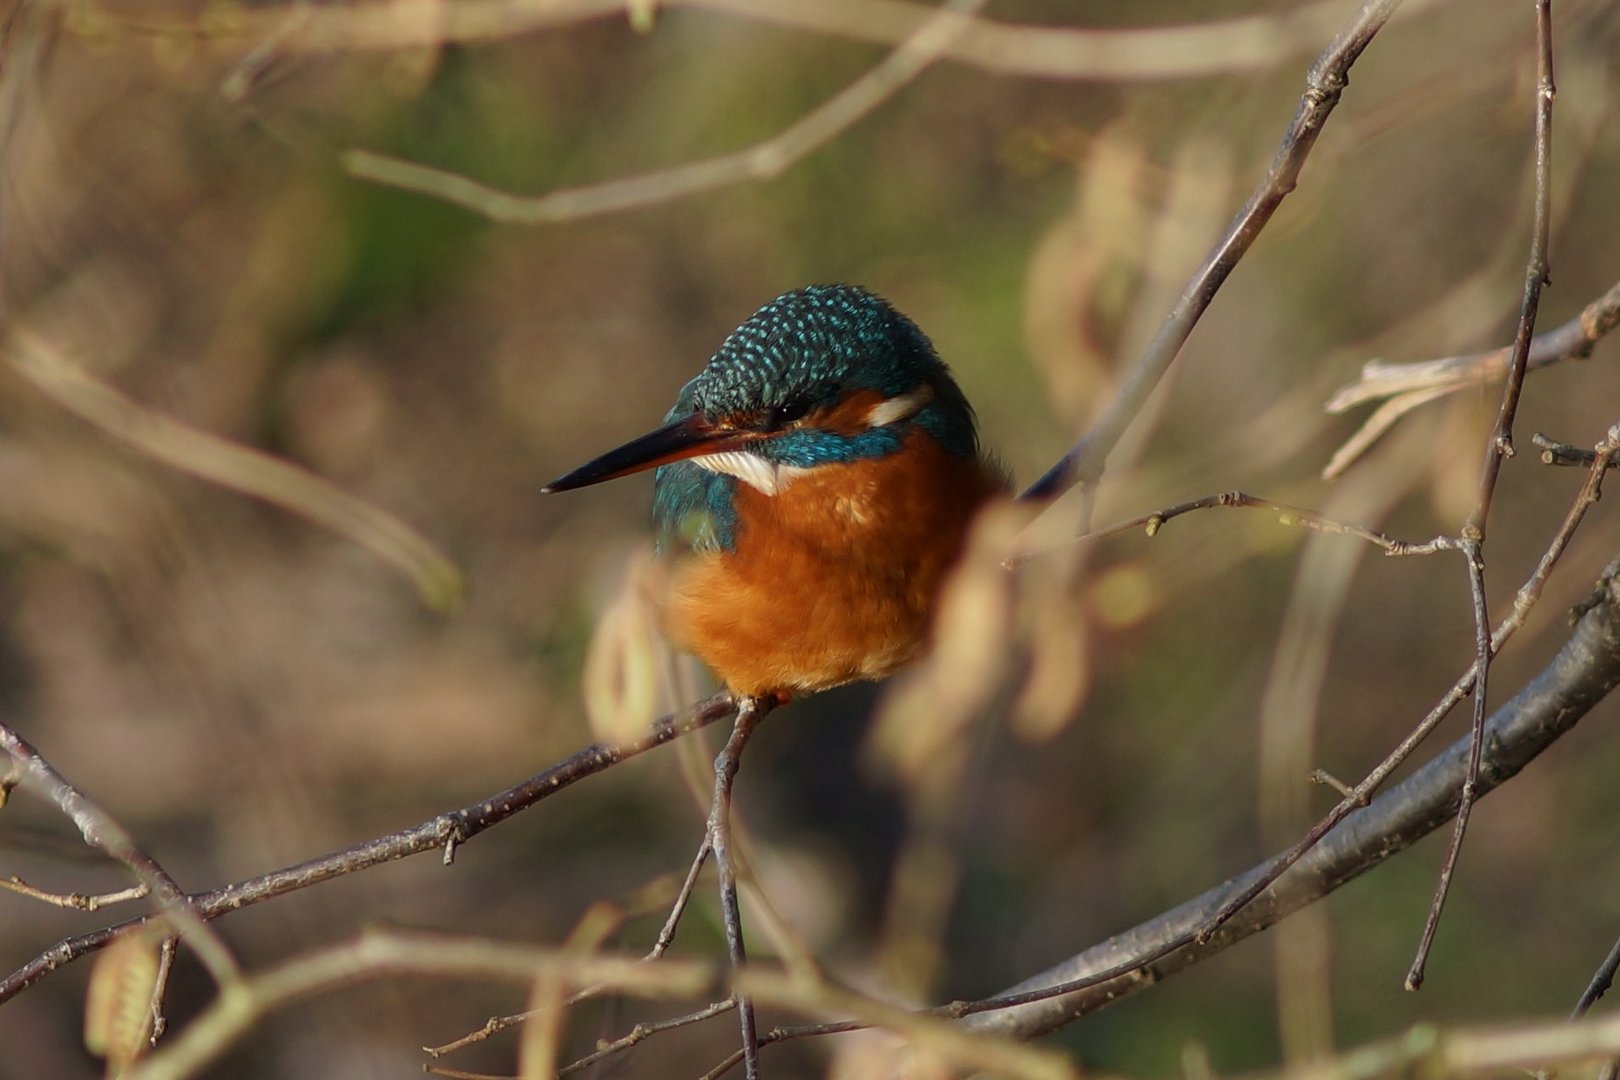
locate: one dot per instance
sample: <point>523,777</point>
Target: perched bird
<point>815,484</point>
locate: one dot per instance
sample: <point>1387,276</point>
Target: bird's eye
<point>790,410</point>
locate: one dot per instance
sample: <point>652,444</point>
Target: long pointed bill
<point>692,437</point>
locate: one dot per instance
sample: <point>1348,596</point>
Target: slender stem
<point>749,712</point>
<point>1602,979</point>
<point>1498,448</point>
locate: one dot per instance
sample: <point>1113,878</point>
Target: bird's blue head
<point>818,376</point>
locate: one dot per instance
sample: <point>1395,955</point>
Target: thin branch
<point>750,711</point>
<point>1254,42</point>
<point>1498,1050</point>
<point>1242,500</point>
<point>160,987</point>
<point>1325,83</point>
<point>1499,447</point>
<point>1470,785</point>
<point>102,832</point>
<point>443,832</point>
<point>76,901</point>
<point>1557,453</point>
<point>666,934</point>
<point>1245,43</point>
<point>380,953</point>
<point>1410,385</point>
<point>1582,673</point>
<point>231,465</point>
<point>1523,601</point>
<point>646,1030</point>
<point>763,160</point>
<point>1602,979</point>
<point>1607,452</point>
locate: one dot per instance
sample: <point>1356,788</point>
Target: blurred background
<point>245,688</point>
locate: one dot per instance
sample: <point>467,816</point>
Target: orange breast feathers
<point>834,578</point>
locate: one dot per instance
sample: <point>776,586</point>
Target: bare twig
<point>1498,448</point>
<point>1498,1050</point>
<point>761,161</point>
<point>1245,43</point>
<point>443,832</point>
<point>1524,600</point>
<point>160,986</point>
<point>750,711</point>
<point>1241,500</point>
<point>1557,453</point>
<point>643,1031</point>
<point>231,465</point>
<point>1327,779</point>
<point>77,901</point>
<point>379,953</point>
<point>1325,83</point>
<point>1407,386</point>
<point>102,832</point>
<point>1602,979</point>
<point>1150,943</point>
<point>666,934</point>
<point>1585,670</point>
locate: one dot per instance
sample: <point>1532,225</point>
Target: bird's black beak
<point>687,438</point>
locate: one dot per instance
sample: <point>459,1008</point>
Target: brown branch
<point>1324,85</point>
<point>1244,43</point>
<point>1607,452</point>
<point>763,160</point>
<point>1585,670</point>
<point>1557,453</point>
<point>1499,447</point>
<point>1357,834</point>
<point>1599,985</point>
<point>102,832</point>
<point>666,934</point>
<point>76,901</point>
<point>1523,601</point>
<point>646,1030</point>
<point>379,953</point>
<point>718,838</point>
<point>1298,516</point>
<point>443,832</point>
<point>1407,386</point>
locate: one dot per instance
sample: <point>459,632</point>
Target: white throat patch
<point>763,476</point>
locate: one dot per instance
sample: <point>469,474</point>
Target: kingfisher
<point>815,484</point>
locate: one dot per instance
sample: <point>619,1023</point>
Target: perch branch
<point>1583,672</point>
<point>443,832</point>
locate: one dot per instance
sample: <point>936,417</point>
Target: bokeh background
<point>245,689</point>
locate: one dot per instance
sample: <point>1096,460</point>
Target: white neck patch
<point>896,409</point>
<point>766,477</point>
